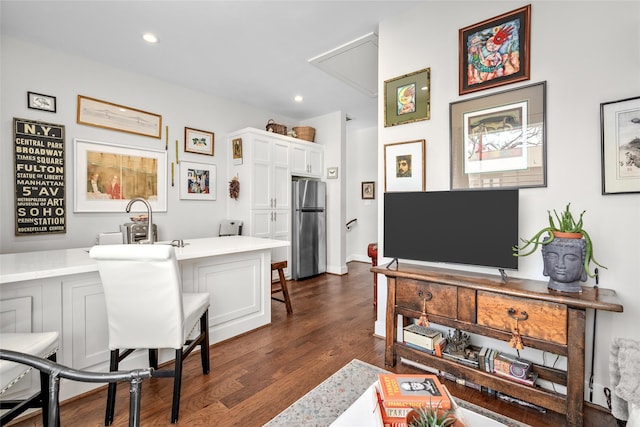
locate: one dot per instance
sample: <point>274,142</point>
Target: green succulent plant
<point>430,416</point>
<point>565,223</point>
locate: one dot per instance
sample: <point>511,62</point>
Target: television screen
<point>461,227</point>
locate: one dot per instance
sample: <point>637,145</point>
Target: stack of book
<point>424,339</point>
<point>470,357</point>
<point>400,393</point>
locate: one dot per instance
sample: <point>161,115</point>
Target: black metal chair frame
<point>201,340</point>
<point>50,374</point>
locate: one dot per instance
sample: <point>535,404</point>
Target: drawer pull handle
<point>524,316</point>
<point>425,295</point>
<point>516,338</point>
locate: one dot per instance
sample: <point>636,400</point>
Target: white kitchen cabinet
<point>307,159</point>
<point>264,204</point>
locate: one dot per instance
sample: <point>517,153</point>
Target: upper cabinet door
<point>307,159</point>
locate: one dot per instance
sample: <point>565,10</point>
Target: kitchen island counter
<point>18,267</point>
<point>60,290</point>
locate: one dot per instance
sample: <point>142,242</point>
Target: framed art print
<point>620,129</point>
<point>197,181</point>
<point>404,166</point>
<point>198,141</point>
<point>495,52</point>
<point>499,140</point>
<point>38,101</point>
<point>107,115</point>
<point>107,176</point>
<point>407,98</point>
<point>236,147</point>
<point>368,190</point>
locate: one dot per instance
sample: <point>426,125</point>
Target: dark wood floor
<point>255,376</point>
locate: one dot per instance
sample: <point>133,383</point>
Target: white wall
<point>26,67</point>
<point>589,53</point>
<point>362,165</point>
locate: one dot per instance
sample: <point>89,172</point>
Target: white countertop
<point>42,264</point>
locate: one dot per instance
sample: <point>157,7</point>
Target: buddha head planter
<point>564,263</point>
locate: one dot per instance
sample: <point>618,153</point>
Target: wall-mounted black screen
<point>462,227</point>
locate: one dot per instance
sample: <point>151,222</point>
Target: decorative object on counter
<point>107,115</point>
<point>332,172</point>
<point>198,141</point>
<point>368,190</point>
<point>567,251</point>
<point>305,132</point>
<point>274,127</point>
<point>96,163</point>
<point>495,52</point>
<point>404,166</point>
<point>236,147</point>
<point>499,140</point>
<point>39,161</point>
<point>620,128</point>
<point>38,101</point>
<point>407,98</point>
<point>197,181</point>
<point>234,188</point>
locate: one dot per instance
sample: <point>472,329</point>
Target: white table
<point>365,411</point>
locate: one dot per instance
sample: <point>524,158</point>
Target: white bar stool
<point>40,344</point>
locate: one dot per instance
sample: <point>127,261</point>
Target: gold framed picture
<point>107,115</point>
<point>407,98</point>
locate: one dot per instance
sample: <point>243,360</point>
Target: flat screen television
<point>460,227</point>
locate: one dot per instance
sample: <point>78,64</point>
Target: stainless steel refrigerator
<point>309,235</point>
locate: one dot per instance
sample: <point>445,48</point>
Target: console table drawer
<point>441,299</point>
<point>544,320</point>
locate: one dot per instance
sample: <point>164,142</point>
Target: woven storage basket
<point>305,132</point>
<point>276,128</point>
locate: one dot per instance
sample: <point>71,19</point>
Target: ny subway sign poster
<point>40,177</point>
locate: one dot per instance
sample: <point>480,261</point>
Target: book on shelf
<point>468,358</point>
<point>482,357</point>
<point>418,347</point>
<point>421,335</point>
<point>530,380</point>
<point>412,390</point>
<point>439,346</point>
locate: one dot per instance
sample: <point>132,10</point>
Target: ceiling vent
<point>355,63</point>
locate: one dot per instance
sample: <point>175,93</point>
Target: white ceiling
<point>252,52</point>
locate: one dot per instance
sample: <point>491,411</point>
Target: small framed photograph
<point>369,190</point>
<point>620,128</point>
<point>407,98</point>
<point>197,181</point>
<point>404,166</point>
<point>107,115</point>
<point>499,140</point>
<point>236,147</point>
<point>38,101</point>
<point>495,52</point>
<point>332,172</point>
<point>198,141</point>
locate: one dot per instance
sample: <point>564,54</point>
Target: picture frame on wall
<point>198,141</point>
<point>620,135</point>
<point>39,101</point>
<point>404,166</point>
<point>236,147</point>
<point>107,115</point>
<point>107,176</point>
<point>496,51</point>
<point>499,140</point>
<point>197,181</point>
<point>368,190</point>
<point>407,98</point>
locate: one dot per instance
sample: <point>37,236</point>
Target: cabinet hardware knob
<point>425,295</point>
<point>523,315</point>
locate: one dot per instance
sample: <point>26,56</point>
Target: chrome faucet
<point>150,236</point>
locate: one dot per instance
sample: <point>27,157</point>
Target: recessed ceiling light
<point>150,38</point>
<point>298,98</point>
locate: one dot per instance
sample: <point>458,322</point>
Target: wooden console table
<point>485,305</point>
